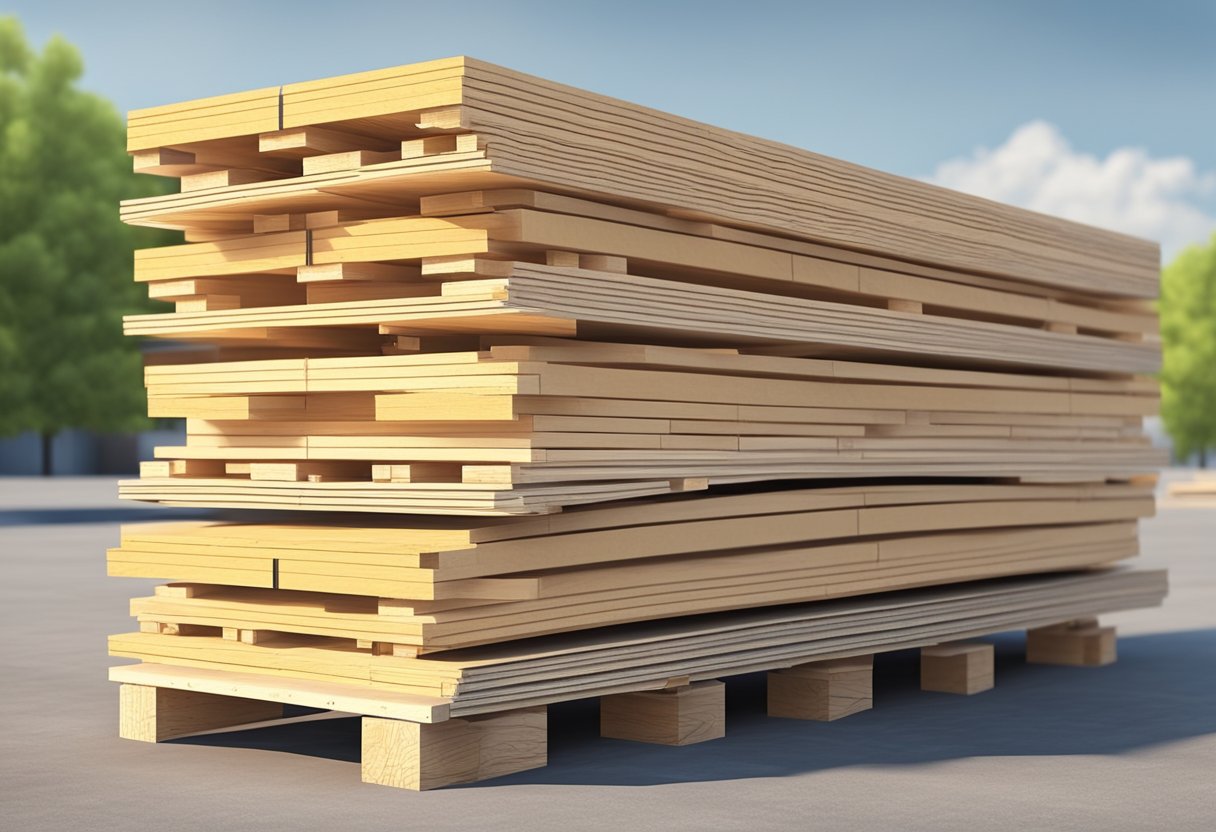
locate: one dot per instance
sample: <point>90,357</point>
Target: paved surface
<point>1131,746</point>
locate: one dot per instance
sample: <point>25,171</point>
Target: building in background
<point>81,452</point>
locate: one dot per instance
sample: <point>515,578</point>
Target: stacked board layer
<point>512,393</point>
<point>612,660</point>
<point>441,585</point>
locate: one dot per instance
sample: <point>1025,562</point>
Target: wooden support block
<point>484,474</point>
<point>434,145</point>
<point>822,691</point>
<point>171,629</point>
<point>385,648</point>
<point>347,160</point>
<point>960,667</point>
<point>1063,328</point>
<point>178,591</point>
<point>604,263</point>
<point>272,223</point>
<point>151,714</point>
<point>690,484</point>
<point>211,235</point>
<point>196,468</point>
<point>1081,643</point>
<point>411,755</point>
<point>340,216</point>
<point>167,161</point>
<point>402,345</point>
<point>676,716</point>
<point>566,259</point>
<point>442,118</point>
<point>897,305</point>
<point>416,472</point>
<point>224,179</point>
<point>326,470</point>
<point>354,271</point>
<point>208,303</point>
<point>303,142</point>
<point>446,267</point>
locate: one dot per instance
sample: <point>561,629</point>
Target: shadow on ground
<point>1162,689</point>
<point>60,516</point>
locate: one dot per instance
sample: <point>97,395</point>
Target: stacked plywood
<point>470,357</point>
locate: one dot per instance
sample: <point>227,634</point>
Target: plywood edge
<point>334,697</point>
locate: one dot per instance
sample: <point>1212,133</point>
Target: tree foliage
<point>65,258</point>
<point>1188,331</point>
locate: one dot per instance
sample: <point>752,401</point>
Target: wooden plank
<point>272,689</point>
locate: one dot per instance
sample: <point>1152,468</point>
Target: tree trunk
<point>48,440</point>
<point>1203,457</point>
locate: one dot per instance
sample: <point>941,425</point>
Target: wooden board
<point>546,300</point>
<point>538,131</point>
<point>495,580</point>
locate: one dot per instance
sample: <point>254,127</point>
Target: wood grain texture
<point>679,716</point>
<point>542,132</point>
<point>822,691</point>
<point>637,658</point>
<point>155,714</point>
<point>228,684</point>
<point>408,755</point>
<point>1083,644</point>
<point>959,667</point>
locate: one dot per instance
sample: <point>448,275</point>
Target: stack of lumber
<point>442,585</point>
<point>468,358</point>
<point>642,656</point>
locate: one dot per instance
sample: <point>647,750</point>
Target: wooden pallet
<point>416,743</point>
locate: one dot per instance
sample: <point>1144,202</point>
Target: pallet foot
<point>677,716</point>
<point>960,667</point>
<point>822,691</point>
<point>420,756</point>
<point>151,714</point>
<point>1081,643</point>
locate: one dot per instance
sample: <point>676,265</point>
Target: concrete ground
<point>1131,746</point>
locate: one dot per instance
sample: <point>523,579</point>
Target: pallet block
<point>961,667</point>
<point>1081,642</point>
<point>822,691</point>
<point>418,756</point>
<point>152,714</point>
<point>677,716</point>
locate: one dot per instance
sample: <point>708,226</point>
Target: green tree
<point>65,258</point>
<point>1188,333</point>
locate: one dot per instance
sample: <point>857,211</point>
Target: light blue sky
<point>901,86</point>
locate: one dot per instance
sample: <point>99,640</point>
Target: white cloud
<point>1128,191</point>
